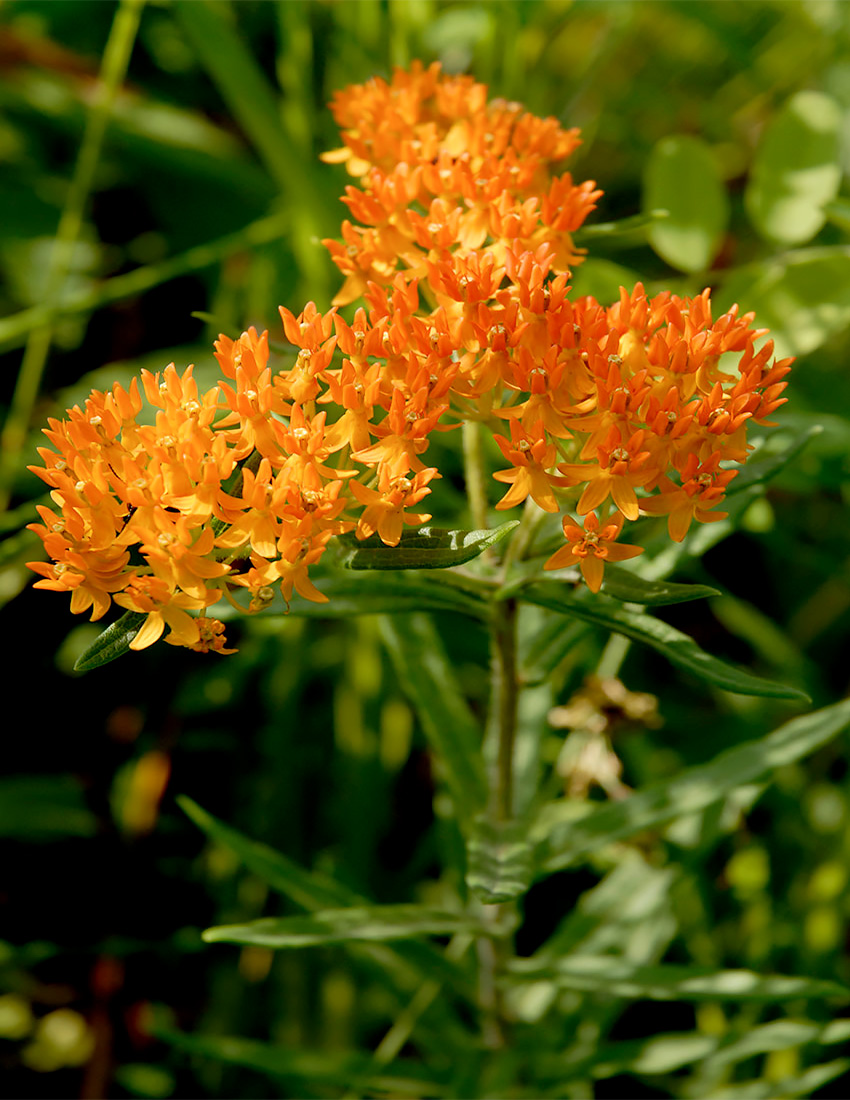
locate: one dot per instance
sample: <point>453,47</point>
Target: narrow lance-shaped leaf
<point>425,548</point>
<point>567,841</point>
<point>313,890</point>
<point>113,642</point>
<point>611,976</point>
<point>677,647</point>
<point>309,889</point>
<point>370,924</point>
<point>378,593</point>
<point>427,677</point>
<point>628,587</point>
<point>339,1069</point>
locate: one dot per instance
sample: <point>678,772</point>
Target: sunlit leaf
<point>681,177</point>
<point>113,642</point>
<point>567,840</point>
<point>425,548</point>
<point>369,924</point>
<point>427,677</point>
<point>678,648</point>
<point>803,297</point>
<point>609,976</point>
<point>500,860</point>
<point>796,169</point>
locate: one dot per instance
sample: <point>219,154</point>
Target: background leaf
<point>681,177</point>
<point>796,171</point>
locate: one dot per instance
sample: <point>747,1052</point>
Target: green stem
<point>116,58</point>
<point>503,707</point>
<point>474,473</point>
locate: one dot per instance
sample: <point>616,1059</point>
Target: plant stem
<point>116,58</point>
<point>503,707</point>
<point>474,473</point>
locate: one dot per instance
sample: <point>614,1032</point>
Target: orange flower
<point>589,548</point>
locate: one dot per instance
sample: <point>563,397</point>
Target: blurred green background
<point>201,212</point>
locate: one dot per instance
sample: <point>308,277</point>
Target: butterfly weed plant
<point>304,478</point>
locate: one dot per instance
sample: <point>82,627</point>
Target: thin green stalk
<point>133,283</point>
<point>475,473</point>
<point>116,58</point>
<point>504,699</point>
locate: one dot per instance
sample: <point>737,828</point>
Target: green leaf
<point>803,297</point>
<point>681,176</point>
<point>677,647</point>
<point>628,587</point>
<point>363,924</point>
<point>568,840</point>
<point>309,889</point>
<point>427,677</point>
<point>629,231</point>
<point>763,467</point>
<point>339,1069</point>
<point>42,807</point>
<point>805,1084</point>
<point>602,279</point>
<point>425,548</point>
<point>380,593</point>
<point>608,976</point>
<point>313,890</point>
<point>113,642</point>
<point>499,860</point>
<point>796,169</point>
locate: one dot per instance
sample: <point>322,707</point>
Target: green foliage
<point>663,911</point>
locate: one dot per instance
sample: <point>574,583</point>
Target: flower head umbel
<point>460,243</point>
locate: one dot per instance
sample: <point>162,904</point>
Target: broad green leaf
<point>339,1069</point>
<point>427,677</point>
<point>681,177</point>
<point>364,924</point>
<point>796,169</point>
<point>803,297</point>
<point>42,807</point>
<point>566,841</point>
<point>628,587</point>
<point>608,976</point>
<point>602,279</point>
<point>677,647</point>
<point>113,642</point>
<point>499,860</point>
<point>425,548</point>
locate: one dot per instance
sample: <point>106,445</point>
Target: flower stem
<point>474,473</point>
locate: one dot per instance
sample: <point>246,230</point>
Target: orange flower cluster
<point>462,254</point>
